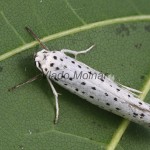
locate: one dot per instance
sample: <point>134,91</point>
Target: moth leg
<point>75,53</point>
<point>56,99</point>
<point>131,89</point>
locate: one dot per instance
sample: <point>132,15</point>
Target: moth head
<point>40,60</point>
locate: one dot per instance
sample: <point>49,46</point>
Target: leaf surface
<point>121,33</point>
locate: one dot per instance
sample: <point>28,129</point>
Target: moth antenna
<point>36,37</point>
<point>28,81</point>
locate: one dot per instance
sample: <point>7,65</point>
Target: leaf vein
<point>74,12</point>
<point>68,134</point>
<point>12,27</point>
<point>75,30</point>
<point>124,124</point>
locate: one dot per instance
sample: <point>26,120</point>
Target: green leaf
<point>121,32</point>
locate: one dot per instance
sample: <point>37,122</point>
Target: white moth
<point>100,90</point>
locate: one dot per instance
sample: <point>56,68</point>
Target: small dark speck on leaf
<point>138,45</point>
<point>1,68</point>
<point>133,27</point>
<point>147,28</point>
<point>122,30</point>
<point>142,77</point>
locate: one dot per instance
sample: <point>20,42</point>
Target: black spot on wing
<point>93,88</point>
<point>135,114</point>
<point>118,90</point>
<point>79,66</point>
<point>89,72</point>
<point>57,68</point>
<point>92,97</point>
<point>65,66</point>
<point>102,80</point>
<point>142,114</point>
<point>51,64</point>
<point>77,89</point>
<point>115,98</point>
<point>107,104</point>
<point>83,83</point>
<point>106,94</point>
<point>70,79</point>
<point>55,57</point>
